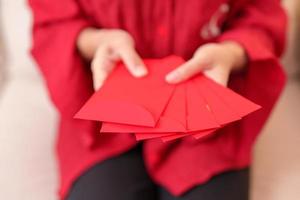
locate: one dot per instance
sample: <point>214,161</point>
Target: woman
<point>76,44</point>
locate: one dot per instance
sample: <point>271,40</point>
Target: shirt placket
<point>164,28</point>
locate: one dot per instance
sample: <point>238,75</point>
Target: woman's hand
<point>106,47</point>
<point>214,60</point>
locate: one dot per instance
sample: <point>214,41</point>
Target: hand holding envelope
<point>149,107</point>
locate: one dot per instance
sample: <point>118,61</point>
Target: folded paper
<point>128,100</point>
<point>150,108</point>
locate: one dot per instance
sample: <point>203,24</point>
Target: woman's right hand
<point>105,47</point>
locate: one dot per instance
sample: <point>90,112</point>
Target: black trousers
<point>125,178</point>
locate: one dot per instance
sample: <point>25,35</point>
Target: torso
<point>161,27</point>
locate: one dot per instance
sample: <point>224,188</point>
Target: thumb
<point>186,71</point>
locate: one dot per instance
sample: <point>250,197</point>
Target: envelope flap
<point>172,119</point>
<point>135,101</point>
<point>235,102</point>
<point>199,116</point>
<point>218,107</point>
<point>105,110</point>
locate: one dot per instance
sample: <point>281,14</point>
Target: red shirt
<point>160,28</point>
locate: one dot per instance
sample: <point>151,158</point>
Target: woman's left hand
<point>215,60</point>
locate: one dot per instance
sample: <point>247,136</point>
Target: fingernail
<point>140,71</point>
<point>173,77</point>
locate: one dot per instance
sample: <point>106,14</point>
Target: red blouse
<point>160,28</point>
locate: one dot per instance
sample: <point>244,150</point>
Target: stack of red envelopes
<point>149,107</point>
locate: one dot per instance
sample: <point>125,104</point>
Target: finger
<point>101,66</point>
<point>185,71</point>
<point>132,61</point>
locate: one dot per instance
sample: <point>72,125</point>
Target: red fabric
<point>160,28</point>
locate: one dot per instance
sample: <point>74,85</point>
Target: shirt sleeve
<point>56,25</point>
<point>260,27</point>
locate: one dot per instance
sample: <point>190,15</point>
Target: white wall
<point>276,170</point>
<point>27,119</point>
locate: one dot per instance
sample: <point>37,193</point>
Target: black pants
<point>125,178</point>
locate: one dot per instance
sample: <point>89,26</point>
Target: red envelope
<point>127,100</point>
<point>197,135</point>
<point>222,113</point>
<point>165,137</point>
<point>240,105</point>
<point>146,136</point>
<point>199,115</point>
<point>203,134</point>
<point>151,108</point>
<point>173,118</point>
<point>186,111</point>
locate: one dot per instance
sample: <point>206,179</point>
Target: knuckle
<point>182,72</point>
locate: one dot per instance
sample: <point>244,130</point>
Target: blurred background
<point>28,120</point>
